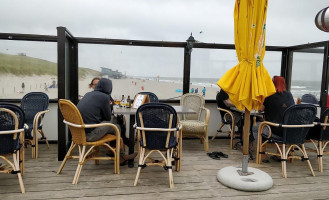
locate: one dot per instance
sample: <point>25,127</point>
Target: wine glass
<point>116,101</point>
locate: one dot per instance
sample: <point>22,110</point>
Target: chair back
<point>309,98</point>
<point>194,102</point>
<point>9,144</point>
<point>72,115</point>
<point>32,103</point>
<point>324,134</point>
<point>153,97</point>
<point>157,115</point>
<point>300,114</point>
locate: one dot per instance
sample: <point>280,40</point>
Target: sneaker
<point>125,158</point>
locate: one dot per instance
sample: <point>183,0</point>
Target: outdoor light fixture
<point>190,42</point>
<point>322,20</point>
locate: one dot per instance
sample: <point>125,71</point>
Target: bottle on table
<point>128,104</point>
<point>123,101</point>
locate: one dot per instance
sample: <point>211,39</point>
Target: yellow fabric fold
<point>248,83</point>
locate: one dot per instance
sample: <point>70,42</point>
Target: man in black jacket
<point>95,108</point>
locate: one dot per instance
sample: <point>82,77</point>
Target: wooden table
<point>132,112</point>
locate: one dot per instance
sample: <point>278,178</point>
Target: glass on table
<point>116,100</point>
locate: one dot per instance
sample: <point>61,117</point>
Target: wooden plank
<point>197,180</point>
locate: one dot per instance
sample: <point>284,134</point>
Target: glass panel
<point>307,72</point>
<point>27,66</point>
<point>209,65</point>
<point>133,69</point>
<point>272,62</point>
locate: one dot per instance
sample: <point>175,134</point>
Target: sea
<point>298,87</point>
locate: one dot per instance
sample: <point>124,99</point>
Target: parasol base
<point>257,180</point>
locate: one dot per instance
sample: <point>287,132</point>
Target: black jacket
<point>95,105</point>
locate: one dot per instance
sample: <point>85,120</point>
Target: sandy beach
<point>11,87</point>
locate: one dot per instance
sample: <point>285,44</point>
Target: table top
<point>132,111</point>
<point>252,112</point>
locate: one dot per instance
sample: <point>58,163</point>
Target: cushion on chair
<point>193,126</point>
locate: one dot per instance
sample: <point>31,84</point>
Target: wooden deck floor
<point>197,180</point>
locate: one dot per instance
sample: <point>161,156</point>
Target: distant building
<point>111,73</point>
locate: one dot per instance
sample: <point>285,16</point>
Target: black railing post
<point>325,78</point>
<point>68,79</point>
<point>187,69</point>
<point>62,131</point>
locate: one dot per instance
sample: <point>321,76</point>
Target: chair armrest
<point>207,115</point>
<point>11,131</point>
<point>158,129</point>
<point>229,113</point>
<point>37,117</point>
<point>269,124</point>
<point>117,132</point>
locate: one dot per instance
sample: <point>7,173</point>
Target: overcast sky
<point>289,22</point>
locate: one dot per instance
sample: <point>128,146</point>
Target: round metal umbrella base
<point>255,180</point>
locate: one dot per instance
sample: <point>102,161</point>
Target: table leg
<point>131,139</point>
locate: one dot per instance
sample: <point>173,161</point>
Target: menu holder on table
<point>139,100</point>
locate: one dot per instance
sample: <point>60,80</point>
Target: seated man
<point>95,108</point>
<point>223,101</point>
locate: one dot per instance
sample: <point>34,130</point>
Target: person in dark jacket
<point>275,105</point>
<point>95,108</point>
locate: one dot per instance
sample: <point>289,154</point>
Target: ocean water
<point>298,87</point>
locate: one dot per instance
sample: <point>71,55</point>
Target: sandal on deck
<point>220,154</point>
<point>214,155</point>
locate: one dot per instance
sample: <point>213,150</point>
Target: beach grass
<point>21,65</point>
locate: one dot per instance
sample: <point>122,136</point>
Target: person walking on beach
<point>46,87</point>
<point>204,91</point>
<point>196,90</point>
<point>192,90</point>
<point>23,87</point>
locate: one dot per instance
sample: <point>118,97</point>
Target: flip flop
<point>213,155</point>
<point>223,155</point>
<point>220,154</point>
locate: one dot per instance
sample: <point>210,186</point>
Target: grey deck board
<point>197,180</point>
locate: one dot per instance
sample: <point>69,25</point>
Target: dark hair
<point>279,83</point>
<point>92,81</point>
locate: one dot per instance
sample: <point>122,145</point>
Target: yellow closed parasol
<point>248,83</point>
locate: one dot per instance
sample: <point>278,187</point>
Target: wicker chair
<point>158,131</point>
<point>153,97</point>
<point>228,119</point>
<point>35,105</point>
<point>320,139</point>
<point>11,140</point>
<point>195,125</point>
<point>73,119</point>
<point>297,121</point>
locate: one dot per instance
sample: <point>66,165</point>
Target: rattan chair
<point>11,141</point>
<point>158,131</point>
<point>228,119</point>
<point>320,139</point>
<point>153,97</point>
<point>297,121</point>
<point>35,105</point>
<point>195,125</point>
<point>73,119</point>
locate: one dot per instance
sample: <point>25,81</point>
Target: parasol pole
<point>246,129</point>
